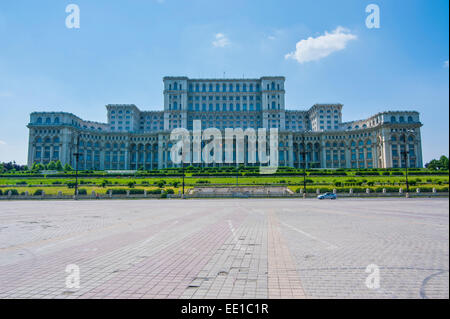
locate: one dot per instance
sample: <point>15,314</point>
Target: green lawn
<point>325,183</point>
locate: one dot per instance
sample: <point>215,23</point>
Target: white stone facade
<point>133,139</point>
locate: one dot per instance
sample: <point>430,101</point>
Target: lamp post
<point>77,155</point>
<point>404,153</point>
<point>237,172</point>
<point>405,156</point>
<point>182,165</point>
<point>304,165</point>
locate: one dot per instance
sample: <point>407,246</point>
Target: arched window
<point>410,138</point>
<point>48,120</point>
<point>402,119</point>
<point>56,120</point>
<point>410,119</point>
<point>175,86</point>
<point>393,120</point>
<point>393,138</point>
<point>39,120</point>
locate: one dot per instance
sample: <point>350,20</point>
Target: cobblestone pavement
<point>234,248</point>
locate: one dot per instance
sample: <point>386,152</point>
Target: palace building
<point>132,139</point>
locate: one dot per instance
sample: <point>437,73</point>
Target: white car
<point>327,196</point>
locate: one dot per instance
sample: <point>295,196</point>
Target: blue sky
<point>123,49</point>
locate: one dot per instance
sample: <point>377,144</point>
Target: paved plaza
<point>233,248</point>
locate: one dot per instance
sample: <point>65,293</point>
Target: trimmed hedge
<point>14,192</point>
<point>37,192</point>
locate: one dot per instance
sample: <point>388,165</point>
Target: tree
<point>441,164</point>
<point>51,166</point>
<point>59,166</point>
<point>68,168</point>
<point>444,162</point>
<point>12,167</point>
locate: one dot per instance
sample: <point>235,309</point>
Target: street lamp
<point>77,156</point>
<point>404,153</point>
<point>405,157</point>
<point>303,152</point>
<point>182,165</point>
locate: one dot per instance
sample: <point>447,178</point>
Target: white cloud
<point>221,41</point>
<point>2,142</point>
<point>446,64</point>
<point>313,49</point>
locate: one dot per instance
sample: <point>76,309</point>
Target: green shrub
<point>136,191</point>
<point>160,184</point>
<point>38,192</point>
<point>170,191</point>
<point>117,191</point>
<point>154,191</point>
<point>164,195</point>
<point>82,191</point>
<point>14,192</point>
<point>202,182</point>
<point>1,192</point>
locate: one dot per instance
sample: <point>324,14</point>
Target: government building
<point>133,139</point>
